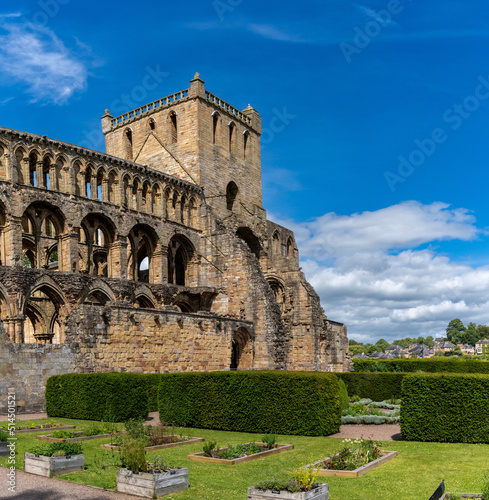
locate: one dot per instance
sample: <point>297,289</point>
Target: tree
<point>471,336</point>
<point>429,341</point>
<point>483,332</point>
<point>455,330</point>
<point>381,345</point>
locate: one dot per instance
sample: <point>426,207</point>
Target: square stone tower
<point>198,137</point>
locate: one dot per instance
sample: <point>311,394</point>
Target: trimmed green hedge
<point>375,386</point>
<point>152,381</point>
<point>432,365</point>
<point>448,408</point>
<point>98,396</point>
<point>300,403</point>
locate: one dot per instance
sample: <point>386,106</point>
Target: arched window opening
<point>96,298</point>
<point>215,128</point>
<point>96,235</point>
<point>232,138</point>
<point>231,194</point>
<point>247,235</point>
<point>3,163</point>
<point>135,189</point>
<point>88,183</point>
<point>151,124</point>
<point>241,350</point>
<point>19,160</point>
<point>276,243</point>
<point>59,173</point>
<point>29,259</point>
<point>279,292</point>
<point>52,260</point>
<point>142,301</point>
<point>156,200</point>
<point>146,200</point>
<point>142,244</point>
<point>33,169</point>
<point>112,188</point>
<point>183,208</point>
<point>180,256</point>
<point>42,325</point>
<point>100,180</point>
<point>128,144</point>
<point>290,248</point>
<point>46,166</point>
<point>126,193</point>
<point>246,145</point>
<point>173,127</point>
<point>192,213</point>
<point>79,179</point>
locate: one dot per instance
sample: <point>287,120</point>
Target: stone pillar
<point>53,178</point>
<point>118,257</point>
<point>93,188</point>
<point>13,242</point>
<point>26,172</point>
<point>139,199</point>
<point>18,328</point>
<point>68,252</point>
<point>40,174</point>
<point>159,267</point>
<point>105,190</point>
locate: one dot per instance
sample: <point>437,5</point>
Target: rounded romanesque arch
<point>242,350</point>
<point>231,195</point>
<point>42,227</point>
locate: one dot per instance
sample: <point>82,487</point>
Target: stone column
<point>53,178</point>
<point>18,328</point>
<point>159,267</point>
<point>118,258</point>
<point>40,174</point>
<point>105,190</point>
<point>13,242</point>
<point>26,171</point>
<point>93,188</point>
<point>68,252</point>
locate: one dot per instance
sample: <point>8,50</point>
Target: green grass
<point>413,475</point>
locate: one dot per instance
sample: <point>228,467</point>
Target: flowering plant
<point>354,453</point>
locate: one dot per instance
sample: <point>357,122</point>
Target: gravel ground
<point>383,432</point>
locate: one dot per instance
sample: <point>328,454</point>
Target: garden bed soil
<point>50,439</point>
<point>320,493</point>
<point>187,440</point>
<point>149,485</point>
<point>52,466</point>
<point>38,429</point>
<point>277,448</point>
<point>386,456</point>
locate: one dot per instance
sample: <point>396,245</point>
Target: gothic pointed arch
<point>181,261</point>
<point>142,244</point>
<point>242,350</point>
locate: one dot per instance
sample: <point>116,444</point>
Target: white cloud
<point>34,56</point>
<point>273,33</point>
<point>371,274</point>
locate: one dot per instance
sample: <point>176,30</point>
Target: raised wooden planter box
<point>148,485</point>
<point>201,457</point>
<point>53,466</point>
<point>320,493</point>
<point>386,456</point>
<point>187,440</point>
<point>4,449</point>
<point>71,440</point>
<point>38,428</point>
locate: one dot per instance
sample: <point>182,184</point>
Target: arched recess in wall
<point>112,187</point>
<point>142,244</point>
<point>232,138</point>
<point>231,195</point>
<point>142,300</point>
<point>3,228</point>
<point>249,237</point>
<point>181,261</point>
<point>127,141</point>
<point>3,161</point>
<point>242,350</point>
<point>276,246</point>
<point>290,247</point>
<point>173,127</point>
<point>42,227</point>
<point>4,312</point>
<point>246,145</point>
<point>278,289</point>
<point>185,304</point>
<point>42,310</point>
<point>216,128</point>
<point>97,233</point>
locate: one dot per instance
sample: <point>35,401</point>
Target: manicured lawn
<point>413,475</point>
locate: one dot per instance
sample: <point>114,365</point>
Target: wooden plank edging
<point>110,446</point>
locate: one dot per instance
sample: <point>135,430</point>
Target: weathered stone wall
<point>156,257</point>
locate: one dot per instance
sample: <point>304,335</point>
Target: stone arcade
<point>154,257</point>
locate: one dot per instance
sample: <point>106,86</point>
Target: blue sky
<point>381,165</point>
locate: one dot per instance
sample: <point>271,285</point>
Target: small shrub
<point>3,436</point>
<point>159,465</point>
<point>279,484</point>
<point>136,429</point>
<point>355,398</point>
<point>238,450</point>
<point>209,448</point>
<point>62,434</point>
<point>133,454</point>
<point>59,453</point>
<point>269,440</point>
<point>344,399</point>
<point>306,477</point>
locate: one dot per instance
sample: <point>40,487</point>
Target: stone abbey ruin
<point>154,257</point>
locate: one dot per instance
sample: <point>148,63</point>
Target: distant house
<point>481,346</point>
<point>361,356</point>
<point>396,351</point>
<point>420,351</point>
<point>443,346</point>
<point>466,348</point>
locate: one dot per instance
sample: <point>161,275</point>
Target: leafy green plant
<point>344,399</point>
<point>306,477</point>
<point>48,450</point>
<point>136,429</point>
<point>485,486</point>
<point>159,464</point>
<point>62,434</point>
<point>209,448</point>
<point>238,450</point>
<point>3,436</point>
<point>354,453</point>
<point>269,440</point>
<point>279,484</point>
<point>133,454</point>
